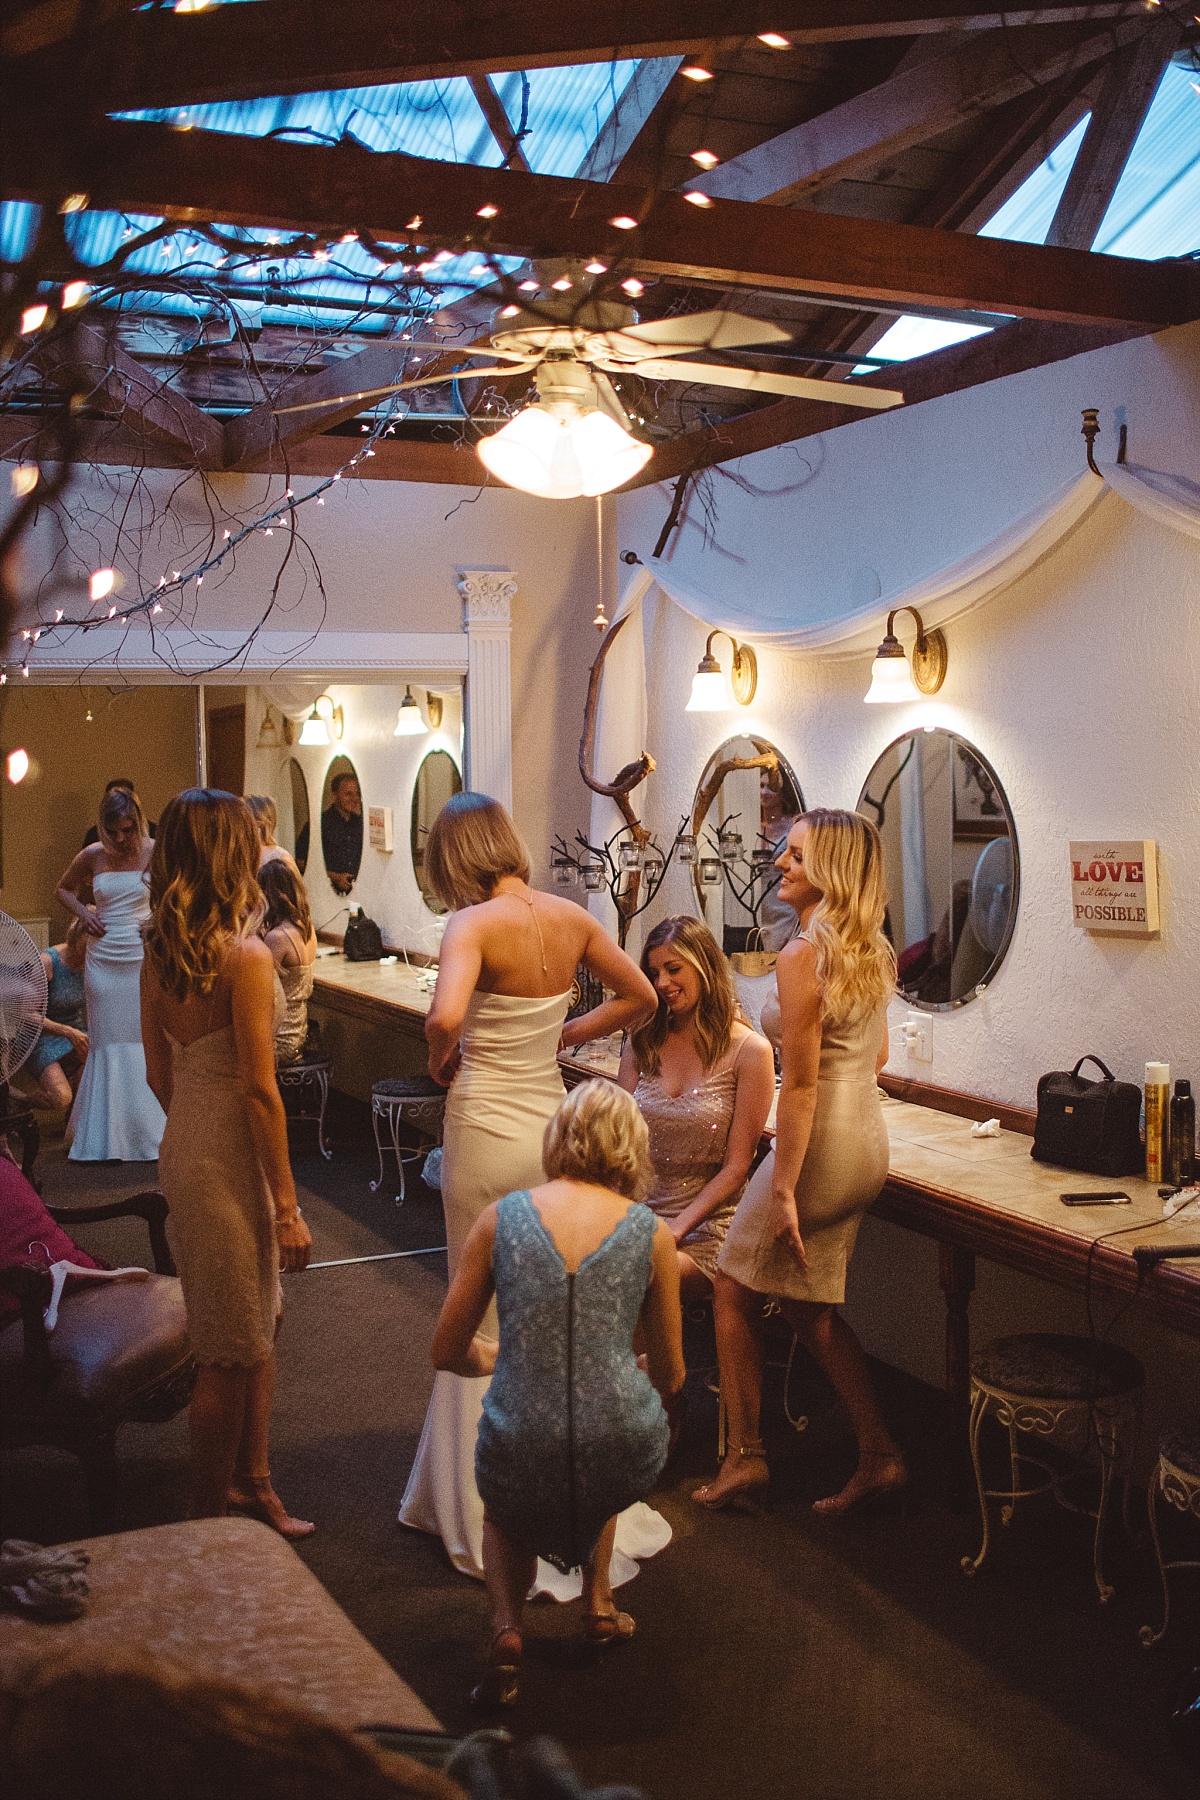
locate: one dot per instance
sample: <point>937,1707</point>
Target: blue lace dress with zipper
<point>572,1430</point>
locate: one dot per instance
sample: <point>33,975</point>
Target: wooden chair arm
<point>32,1287</point>
<point>151,1206</point>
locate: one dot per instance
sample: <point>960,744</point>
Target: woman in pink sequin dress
<point>704,1082</point>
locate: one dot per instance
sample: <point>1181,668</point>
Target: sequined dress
<point>688,1135</point>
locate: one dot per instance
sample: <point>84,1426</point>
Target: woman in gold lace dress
<point>703,1082</point>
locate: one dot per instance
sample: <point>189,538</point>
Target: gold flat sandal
<point>745,1495</point>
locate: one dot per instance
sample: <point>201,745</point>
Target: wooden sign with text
<point>1114,886</point>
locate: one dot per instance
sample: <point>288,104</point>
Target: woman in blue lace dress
<point>573,1429</point>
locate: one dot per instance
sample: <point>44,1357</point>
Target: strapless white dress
<point>115,1116</point>
<point>506,1090</point>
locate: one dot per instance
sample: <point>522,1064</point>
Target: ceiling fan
<point>574,438</point>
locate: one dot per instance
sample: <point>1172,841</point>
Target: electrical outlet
<point>916,1034</point>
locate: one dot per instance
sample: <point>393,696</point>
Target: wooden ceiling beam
<point>919,102</point>
<point>1026,344</point>
<point>1130,84</point>
<point>155,58</point>
<point>88,360</point>
<point>194,175</point>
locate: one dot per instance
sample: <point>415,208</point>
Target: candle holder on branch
<point>629,867</point>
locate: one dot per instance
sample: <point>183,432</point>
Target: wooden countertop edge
<point>371,1007</point>
<point>962,1105</point>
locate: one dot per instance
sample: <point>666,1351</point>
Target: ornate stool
<point>414,1100</point>
<point>308,1078</point>
<point>1068,1391</point>
<point>1177,1478</point>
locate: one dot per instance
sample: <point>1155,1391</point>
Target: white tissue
<point>1176,1202</point>
<point>988,1128</point>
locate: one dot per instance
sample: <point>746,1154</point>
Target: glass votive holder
<point>710,871</point>
<point>593,877</point>
<point>563,871</point>
<point>629,854</point>
<point>729,843</point>
<point>686,848</point>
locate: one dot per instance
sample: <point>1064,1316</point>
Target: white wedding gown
<point>115,1116</point>
<point>506,1090</point>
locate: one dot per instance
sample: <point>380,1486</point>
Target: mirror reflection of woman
<point>116,1116</point>
<point>508,960</point>
<point>208,1014</point>
<point>704,1082</point>
<point>289,936</point>
<point>795,1228</point>
<point>266,819</point>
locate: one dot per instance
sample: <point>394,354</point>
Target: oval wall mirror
<point>438,780</point>
<point>951,864</point>
<point>341,824</point>
<point>746,802</point>
<point>293,826</point>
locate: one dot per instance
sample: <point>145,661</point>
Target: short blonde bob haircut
<point>856,965</point>
<point>717,1009</point>
<point>599,1136</point>
<point>472,845</point>
<point>204,892</point>
<point>266,818</point>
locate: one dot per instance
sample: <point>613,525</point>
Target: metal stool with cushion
<point>1177,1478</point>
<point>413,1100</point>
<point>308,1078</point>
<point>1071,1392</point>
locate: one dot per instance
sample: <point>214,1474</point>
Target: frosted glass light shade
<point>314,729</point>
<point>891,677</point>
<point>710,693</point>
<point>560,458</point>
<point>409,722</point>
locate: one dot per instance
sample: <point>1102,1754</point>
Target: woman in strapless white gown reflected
<point>115,1116</point>
<point>508,960</point>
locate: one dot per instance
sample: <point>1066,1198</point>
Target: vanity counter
<point>395,993</point>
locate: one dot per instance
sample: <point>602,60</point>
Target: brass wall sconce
<point>272,736</point>
<point>710,691</point>
<point>324,716</point>
<point>892,680</point>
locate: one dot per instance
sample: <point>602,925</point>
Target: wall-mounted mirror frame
<point>343,831</point>
<point>438,778</point>
<point>293,811</point>
<point>952,864</point>
<point>745,802</point>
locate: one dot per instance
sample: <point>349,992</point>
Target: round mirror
<point>292,821</point>
<point>438,780</point>
<point>745,805</point>
<point>341,824</point>
<point>950,861</point>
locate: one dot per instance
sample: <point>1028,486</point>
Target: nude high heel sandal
<point>743,1493</point>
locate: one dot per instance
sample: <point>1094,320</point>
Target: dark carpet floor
<point>776,1655</point>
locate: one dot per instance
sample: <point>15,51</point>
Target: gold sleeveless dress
<point>844,1168</point>
<point>688,1135</point>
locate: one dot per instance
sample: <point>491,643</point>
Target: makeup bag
<point>1089,1125</point>
<point>363,941</point>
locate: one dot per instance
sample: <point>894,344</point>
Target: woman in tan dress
<point>794,1230</point>
<point>208,1023</point>
<point>703,1082</point>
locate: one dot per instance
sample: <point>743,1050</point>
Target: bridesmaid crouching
<point>704,1082</point>
<point>573,1430</point>
<point>208,1022</point>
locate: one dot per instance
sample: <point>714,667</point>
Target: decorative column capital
<point>487,596</point>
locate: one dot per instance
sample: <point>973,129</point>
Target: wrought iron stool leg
<point>396,1119</point>
<point>1108,1451</point>
<point>979,1406</point>
<point>323,1088</point>
<point>376,1112</point>
<point>1147,1634</point>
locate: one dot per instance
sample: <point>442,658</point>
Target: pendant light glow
<point>314,729</point>
<point>409,722</point>
<point>564,444</point>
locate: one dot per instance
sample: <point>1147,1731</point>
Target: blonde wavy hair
<point>204,892</point>
<point>717,1009</point>
<point>118,806</point>
<point>599,1136</point>
<point>472,845</point>
<point>266,817</point>
<point>856,965</point>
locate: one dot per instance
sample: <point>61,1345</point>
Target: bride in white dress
<point>508,959</point>
<point>115,1116</point>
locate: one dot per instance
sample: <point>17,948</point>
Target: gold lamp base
<point>929,661</point>
<point>743,677</point>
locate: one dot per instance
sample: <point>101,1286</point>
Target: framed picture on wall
<point>978,808</point>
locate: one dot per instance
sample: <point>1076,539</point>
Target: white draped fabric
<point>1170,500</point>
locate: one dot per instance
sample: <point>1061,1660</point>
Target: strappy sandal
<point>254,1496</point>
<point>744,1494</point>
<point>499,1683</point>
<point>889,1482</point>
<point>609,1627</point>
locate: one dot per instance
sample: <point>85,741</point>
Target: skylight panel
<point>1156,208</point>
<point>1025,216</point>
<point>567,110</point>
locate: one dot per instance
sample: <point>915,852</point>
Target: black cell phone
<point>1103,1197</point>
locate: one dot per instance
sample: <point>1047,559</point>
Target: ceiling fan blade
<point>610,400</point>
<point>757,381</point>
<point>398,387</point>
<point>706,331</point>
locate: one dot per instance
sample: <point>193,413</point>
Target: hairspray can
<point>1158,1091</point>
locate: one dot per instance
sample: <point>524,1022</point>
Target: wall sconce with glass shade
<point>409,722</point>
<point>711,691</point>
<point>324,714</point>
<point>892,678</point>
<point>272,736</point>
<point>571,440</point>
